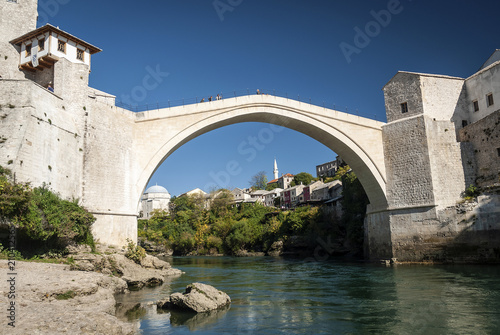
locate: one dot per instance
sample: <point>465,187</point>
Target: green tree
<point>303,177</point>
<point>341,171</point>
<point>259,181</point>
<point>221,200</point>
<point>354,204</point>
<point>271,186</point>
<point>44,221</point>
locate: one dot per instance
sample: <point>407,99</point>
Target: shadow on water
<point>195,321</point>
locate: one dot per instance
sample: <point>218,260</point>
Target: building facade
<point>329,169</point>
<point>154,198</point>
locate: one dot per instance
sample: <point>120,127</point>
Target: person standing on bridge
<point>258,92</point>
<point>202,100</point>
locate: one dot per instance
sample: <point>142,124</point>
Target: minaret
<point>275,171</point>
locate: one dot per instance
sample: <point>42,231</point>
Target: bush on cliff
<point>43,220</point>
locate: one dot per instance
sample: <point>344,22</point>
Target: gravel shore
<point>44,298</point>
<point>51,299</point>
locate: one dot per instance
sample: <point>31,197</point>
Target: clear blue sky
<point>287,45</point>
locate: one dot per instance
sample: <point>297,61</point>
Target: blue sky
<point>307,48</point>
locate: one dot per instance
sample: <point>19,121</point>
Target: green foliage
<point>354,202</point>
<point>471,192</point>
<point>185,243</point>
<point>50,217</point>
<point>245,235</point>
<point>259,181</point>
<point>191,228</point>
<point>66,295</point>
<point>271,186</point>
<point>341,171</point>
<point>296,222</point>
<point>135,252</point>
<point>302,177</point>
<point>43,220</point>
<point>214,242</point>
<point>6,253</point>
<point>222,199</point>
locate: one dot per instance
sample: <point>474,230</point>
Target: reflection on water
<point>279,296</point>
<point>196,321</point>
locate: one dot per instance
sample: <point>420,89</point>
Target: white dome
<point>156,189</point>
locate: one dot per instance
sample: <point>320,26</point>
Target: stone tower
<point>275,170</point>
<point>18,17</point>
<point>424,166</point>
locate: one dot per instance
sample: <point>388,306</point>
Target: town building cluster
<point>285,196</point>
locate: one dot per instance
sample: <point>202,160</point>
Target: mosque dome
<point>156,189</point>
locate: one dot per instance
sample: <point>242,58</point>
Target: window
<point>476,105</point>
<point>79,54</point>
<point>489,99</point>
<point>61,46</point>
<point>28,50</point>
<point>498,152</point>
<point>464,123</point>
<point>404,107</point>
<point>41,45</point>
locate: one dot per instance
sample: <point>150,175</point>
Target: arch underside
<point>329,132</point>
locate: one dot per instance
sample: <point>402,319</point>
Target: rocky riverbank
<point>75,298</point>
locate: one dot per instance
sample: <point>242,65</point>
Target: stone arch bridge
<point>85,147</point>
<point>153,135</point>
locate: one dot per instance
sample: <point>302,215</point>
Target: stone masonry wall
<point>109,157</point>
<point>484,137</point>
<point>445,157</point>
<point>109,170</point>
<point>467,232</point>
<point>41,138</point>
<point>404,87</point>
<point>17,18</point>
<point>409,179</point>
<point>441,96</point>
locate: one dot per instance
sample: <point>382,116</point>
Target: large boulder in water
<point>198,298</point>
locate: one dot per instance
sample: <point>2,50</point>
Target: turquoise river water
<point>289,296</point>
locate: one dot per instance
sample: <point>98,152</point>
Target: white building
<point>270,196</point>
<point>155,197</point>
<point>241,195</point>
<point>50,44</point>
<point>196,191</point>
<point>41,49</point>
<point>322,192</point>
<point>259,195</point>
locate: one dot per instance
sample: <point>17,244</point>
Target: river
<point>287,296</point>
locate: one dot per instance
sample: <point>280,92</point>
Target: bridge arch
<point>357,140</point>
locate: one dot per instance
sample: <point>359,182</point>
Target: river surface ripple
<point>287,296</point>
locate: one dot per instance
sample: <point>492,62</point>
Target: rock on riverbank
<point>51,299</point>
<point>151,270</point>
<point>197,298</point>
